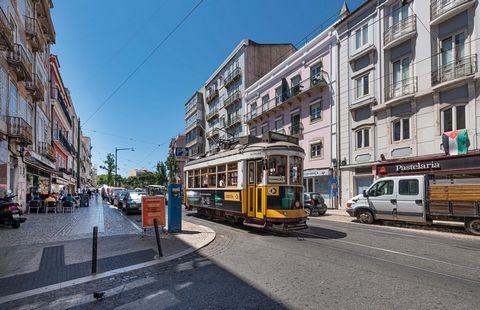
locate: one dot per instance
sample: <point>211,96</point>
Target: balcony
<point>18,59</point>
<point>232,99</point>
<point>36,88</point>
<point>455,71</point>
<point>46,149</point>
<point>192,125</point>
<point>400,32</point>
<point>212,113</point>
<point>232,77</point>
<point>20,130</point>
<point>194,141</point>
<point>212,133</point>
<point>401,90</point>
<point>305,89</point>
<point>6,33</point>
<point>441,10</point>
<point>232,121</point>
<point>296,129</point>
<point>34,33</point>
<point>212,95</point>
<point>57,96</point>
<point>60,138</point>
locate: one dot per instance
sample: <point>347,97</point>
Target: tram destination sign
<point>431,165</point>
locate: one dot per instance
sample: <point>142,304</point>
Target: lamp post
<point>116,162</point>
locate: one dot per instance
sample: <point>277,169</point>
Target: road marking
<point>87,298</point>
<point>390,251</point>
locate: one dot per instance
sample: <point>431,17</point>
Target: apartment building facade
<point>408,74</point>
<point>297,98</point>
<point>195,124</point>
<point>225,89</point>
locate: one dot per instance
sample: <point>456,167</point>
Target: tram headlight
<point>285,213</point>
<point>297,204</point>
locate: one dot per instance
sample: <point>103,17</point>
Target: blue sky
<point>99,43</point>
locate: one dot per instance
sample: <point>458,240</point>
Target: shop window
<point>401,129</point>
<point>296,170</point>
<point>453,118</point>
<point>277,169</point>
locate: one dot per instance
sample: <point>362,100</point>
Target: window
<point>251,173</point>
<point>453,49</point>
<point>295,85</point>
<point>259,172</point>
<point>362,86</point>
<point>363,138</point>
<point>316,111</point>
<point>381,188</point>
<point>279,123</point>
<point>297,126</point>
<point>400,70</point>
<point>3,91</point>
<point>401,129</point>
<point>316,149</point>
<point>277,169</point>
<point>316,71</point>
<point>278,95</point>
<point>265,103</point>
<point>232,174</point>
<point>253,131</point>
<point>453,118</point>
<point>221,179</point>
<point>399,12</point>
<point>253,109</point>
<point>361,36</point>
<point>295,170</point>
<point>408,187</point>
<point>12,111</point>
<point>265,128</point>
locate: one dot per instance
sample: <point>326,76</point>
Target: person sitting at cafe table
<point>69,199</point>
<point>50,198</point>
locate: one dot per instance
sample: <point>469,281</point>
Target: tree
<point>161,173</point>
<point>172,167</point>
<point>109,167</point>
<point>102,179</point>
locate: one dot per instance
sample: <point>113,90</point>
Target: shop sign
<point>316,173</point>
<point>153,207</point>
<point>432,165</point>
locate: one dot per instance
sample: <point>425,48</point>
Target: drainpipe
<point>78,155</point>
<point>337,168</point>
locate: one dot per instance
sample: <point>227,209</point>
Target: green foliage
<point>172,167</point>
<point>109,167</point>
<point>161,172</point>
<point>102,179</point>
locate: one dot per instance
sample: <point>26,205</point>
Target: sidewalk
<point>54,248</point>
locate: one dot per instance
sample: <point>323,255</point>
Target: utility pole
<point>78,155</point>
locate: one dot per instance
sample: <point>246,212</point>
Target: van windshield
<point>381,188</point>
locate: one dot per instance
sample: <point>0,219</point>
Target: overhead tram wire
<point>142,63</point>
<point>121,137</point>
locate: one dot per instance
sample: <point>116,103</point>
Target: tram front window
<point>295,170</point>
<point>289,198</point>
<point>277,169</point>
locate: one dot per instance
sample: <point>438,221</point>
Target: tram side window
<point>259,172</point>
<point>204,182</point>
<point>232,174</point>
<point>190,179</point>
<point>196,183</point>
<point>222,177</point>
<point>251,173</point>
<point>212,177</point>
<point>295,170</point>
<point>277,169</point>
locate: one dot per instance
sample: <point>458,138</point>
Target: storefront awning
<point>37,164</point>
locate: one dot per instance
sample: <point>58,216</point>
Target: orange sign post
<point>153,208</point>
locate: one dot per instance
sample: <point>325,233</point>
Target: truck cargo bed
<point>454,200</point>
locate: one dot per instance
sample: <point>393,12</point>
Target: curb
<point>210,237</point>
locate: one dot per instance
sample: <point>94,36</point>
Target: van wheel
<point>365,217</point>
<point>473,226</point>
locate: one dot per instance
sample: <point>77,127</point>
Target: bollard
<point>94,249</point>
<point>155,223</point>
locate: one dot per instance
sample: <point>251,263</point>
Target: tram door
<point>255,197</point>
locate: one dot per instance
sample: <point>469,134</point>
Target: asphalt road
<point>332,265</point>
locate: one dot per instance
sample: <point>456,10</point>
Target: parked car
<point>113,193</point>
<point>314,204</point>
<point>132,202</point>
<point>419,199</point>
<point>119,198</point>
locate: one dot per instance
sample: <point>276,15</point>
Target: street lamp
<point>116,162</point>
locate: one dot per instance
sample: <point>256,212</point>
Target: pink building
<point>296,98</point>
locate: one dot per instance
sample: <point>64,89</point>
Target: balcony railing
<point>6,33</point>
<point>300,90</point>
<point>212,133</point>
<point>19,60</point>
<point>56,95</point>
<point>233,98</point>
<point>60,137</point>
<point>35,86</point>
<point>458,68</point>
<point>440,7</point>
<point>212,95</point>
<point>212,113</point>
<point>401,88</point>
<point>296,129</point>
<point>192,124</point>
<point>233,120</point>
<point>403,28</point>
<point>19,129</point>
<point>232,77</point>
<point>34,33</point>
<point>46,149</point>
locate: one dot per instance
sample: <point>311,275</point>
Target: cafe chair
<point>68,205</point>
<point>51,205</point>
<point>33,204</point>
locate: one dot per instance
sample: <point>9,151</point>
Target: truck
<point>420,199</point>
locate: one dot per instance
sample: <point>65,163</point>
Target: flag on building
<point>455,142</point>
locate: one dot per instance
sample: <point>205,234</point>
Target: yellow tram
<point>257,182</point>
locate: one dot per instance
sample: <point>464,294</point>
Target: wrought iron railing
<point>18,128</point>
<point>296,128</point>
<point>213,112</point>
<point>455,69</point>
<point>401,88</point>
<point>19,57</point>
<point>56,95</point>
<point>212,95</point>
<point>232,76</point>
<point>405,26</point>
<point>233,120</point>
<point>6,33</point>
<point>234,97</point>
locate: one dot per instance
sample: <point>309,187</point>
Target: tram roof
<point>240,149</point>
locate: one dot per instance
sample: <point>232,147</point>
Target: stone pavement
<point>54,248</point>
